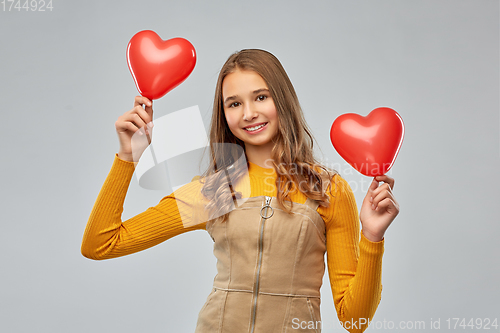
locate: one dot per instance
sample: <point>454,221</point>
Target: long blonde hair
<point>292,154</point>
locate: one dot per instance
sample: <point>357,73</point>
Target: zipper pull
<point>266,206</point>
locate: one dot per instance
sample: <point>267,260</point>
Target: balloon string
<point>152,150</point>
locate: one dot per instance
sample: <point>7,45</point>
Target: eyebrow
<point>255,92</point>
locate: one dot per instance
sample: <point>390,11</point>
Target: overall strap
<point>326,181</point>
<point>313,204</point>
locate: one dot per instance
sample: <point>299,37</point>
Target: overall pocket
<point>209,316</point>
<point>209,298</point>
<point>303,315</point>
<point>315,318</point>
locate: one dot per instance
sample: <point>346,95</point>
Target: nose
<point>248,112</point>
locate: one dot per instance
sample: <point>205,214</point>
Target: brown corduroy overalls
<point>270,267</point>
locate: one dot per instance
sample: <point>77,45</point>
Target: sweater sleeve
<point>354,262</point>
<point>106,236</point>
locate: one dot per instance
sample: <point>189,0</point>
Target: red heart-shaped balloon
<point>369,144</point>
<point>157,65</point>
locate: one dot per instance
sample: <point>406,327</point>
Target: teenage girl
<point>274,216</point>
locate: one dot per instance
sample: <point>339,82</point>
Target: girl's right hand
<point>138,121</point>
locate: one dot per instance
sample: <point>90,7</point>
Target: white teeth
<point>251,129</point>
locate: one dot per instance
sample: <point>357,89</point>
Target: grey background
<point>64,82</point>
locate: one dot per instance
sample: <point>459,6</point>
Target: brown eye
<point>233,105</point>
<point>261,97</point>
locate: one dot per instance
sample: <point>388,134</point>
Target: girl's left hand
<point>379,208</point>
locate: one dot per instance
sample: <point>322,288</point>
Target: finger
<point>149,110</point>
<point>370,193</point>
<point>381,197</point>
<point>388,205</point>
<point>386,179</point>
<point>371,188</point>
<point>146,117</point>
<point>135,119</point>
<point>373,185</point>
<point>381,188</point>
<point>128,126</point>
<point>141,100</point>
<point>145,113</point>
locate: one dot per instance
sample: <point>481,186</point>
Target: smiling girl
<point>274,216</point>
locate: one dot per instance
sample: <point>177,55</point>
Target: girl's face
<point>249,108</point>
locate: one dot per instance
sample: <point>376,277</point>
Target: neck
<point>260,155</point>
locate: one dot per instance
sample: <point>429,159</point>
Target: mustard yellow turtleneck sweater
<point>354,263</point>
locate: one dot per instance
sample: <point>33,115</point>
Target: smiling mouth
<point>255,128</point>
